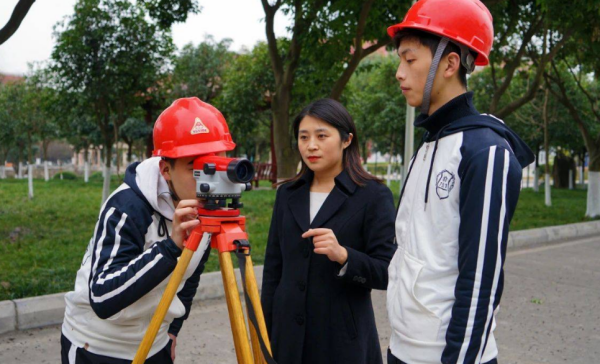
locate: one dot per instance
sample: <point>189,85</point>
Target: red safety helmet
<point>467,22</point>
<point>190,127</point>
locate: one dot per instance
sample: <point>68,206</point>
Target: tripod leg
<point>163,306</point>
<point>252,290</point>
<point>234,306</point>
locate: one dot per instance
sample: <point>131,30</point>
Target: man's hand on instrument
<point>185,219</point>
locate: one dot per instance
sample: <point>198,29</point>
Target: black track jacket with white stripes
<point>446,278</point>
<point>126,268</point>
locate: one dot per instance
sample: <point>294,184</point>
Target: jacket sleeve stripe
<point>130,282</point>
<point>498,269</point>
<point>489,178</point>
<point>115,248</point>
<point>99,244</point>
<point>125,268</point>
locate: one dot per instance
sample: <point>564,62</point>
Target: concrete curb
<point>552,234</point>
<point>35,312</point>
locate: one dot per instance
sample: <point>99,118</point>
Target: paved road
<point>550,313</point>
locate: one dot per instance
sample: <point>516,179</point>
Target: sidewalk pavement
<point>550,313</point>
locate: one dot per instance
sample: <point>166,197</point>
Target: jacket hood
<point>460,114</point>
<point>521,150</point>
<point>145,179</point>
<point>457,115</point>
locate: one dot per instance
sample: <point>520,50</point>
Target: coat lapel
<point>299,203</point>
<point>299,200</point>
<point>332,204</point>
<point>344,186</point>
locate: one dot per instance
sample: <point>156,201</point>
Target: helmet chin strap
<point>466,59</point>
<point>431,76</point>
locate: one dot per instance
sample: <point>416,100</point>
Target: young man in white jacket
<point>136,243</point>
<point>446,278</point>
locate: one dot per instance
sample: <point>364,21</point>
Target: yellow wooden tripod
<point>228,235</point>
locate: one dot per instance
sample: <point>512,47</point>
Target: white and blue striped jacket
<point>446,278</point>
<point>126,268</point>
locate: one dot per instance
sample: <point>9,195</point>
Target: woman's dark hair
<point>431,41</point>
<point>336,115</point>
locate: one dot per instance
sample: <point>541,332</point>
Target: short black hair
<point>171,161</point>
<point>431,41</point>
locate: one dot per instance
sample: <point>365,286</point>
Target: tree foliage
<point>376,105</point>
<point>199,70</point>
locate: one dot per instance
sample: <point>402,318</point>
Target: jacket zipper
<point>416,175</point>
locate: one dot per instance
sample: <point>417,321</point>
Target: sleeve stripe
<point>99,244</point>
<point>115,248</point>
<point>130,282</point>
<point>492,305</point>
<point>125,268</point>
<point>480,255</point>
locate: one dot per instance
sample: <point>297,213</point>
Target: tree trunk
<point>86,165</point>
<point>286,157</point>
<point>581,169</point>
<point>562,171</point>
<point>118,150</point>
<point>593,195</point>
<point>548,198</point>
<point>592,144</point>
<point>149,121</point>
<point>129,152</point>
<point>2,172</point>
<point>107,164</point>
<point>45,145</point>
<point>571,178</point>
<point>547,150</point>
<point>30,180</point>
<point>149,146</point>
<point>46,174</point>
<point>536,178</point>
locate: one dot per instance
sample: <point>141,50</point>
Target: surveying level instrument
<point>217,180</point>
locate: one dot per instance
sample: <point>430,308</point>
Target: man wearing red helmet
<point>460,193</point>
<point>138,238</point>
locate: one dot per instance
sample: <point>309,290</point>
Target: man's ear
<point>165,169</point>
<point>452,65</point>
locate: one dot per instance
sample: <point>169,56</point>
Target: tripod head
<point>219,179</point>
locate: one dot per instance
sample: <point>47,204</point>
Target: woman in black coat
<point>330,243</point>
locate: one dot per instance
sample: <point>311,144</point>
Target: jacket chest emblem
<point>444,184</point>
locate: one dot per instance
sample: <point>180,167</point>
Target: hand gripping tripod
<point>227,231</point>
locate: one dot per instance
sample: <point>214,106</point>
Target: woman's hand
<point>173,343</point>
<point>326,243</point>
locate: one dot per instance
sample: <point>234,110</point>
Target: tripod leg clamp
<point>243,246</point>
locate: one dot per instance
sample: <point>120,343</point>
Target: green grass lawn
<point>43,241</point>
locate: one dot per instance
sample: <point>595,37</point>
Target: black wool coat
<point>312,314</point>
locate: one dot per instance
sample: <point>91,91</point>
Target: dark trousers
<point>83,356</point>
<point>391,359</point>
